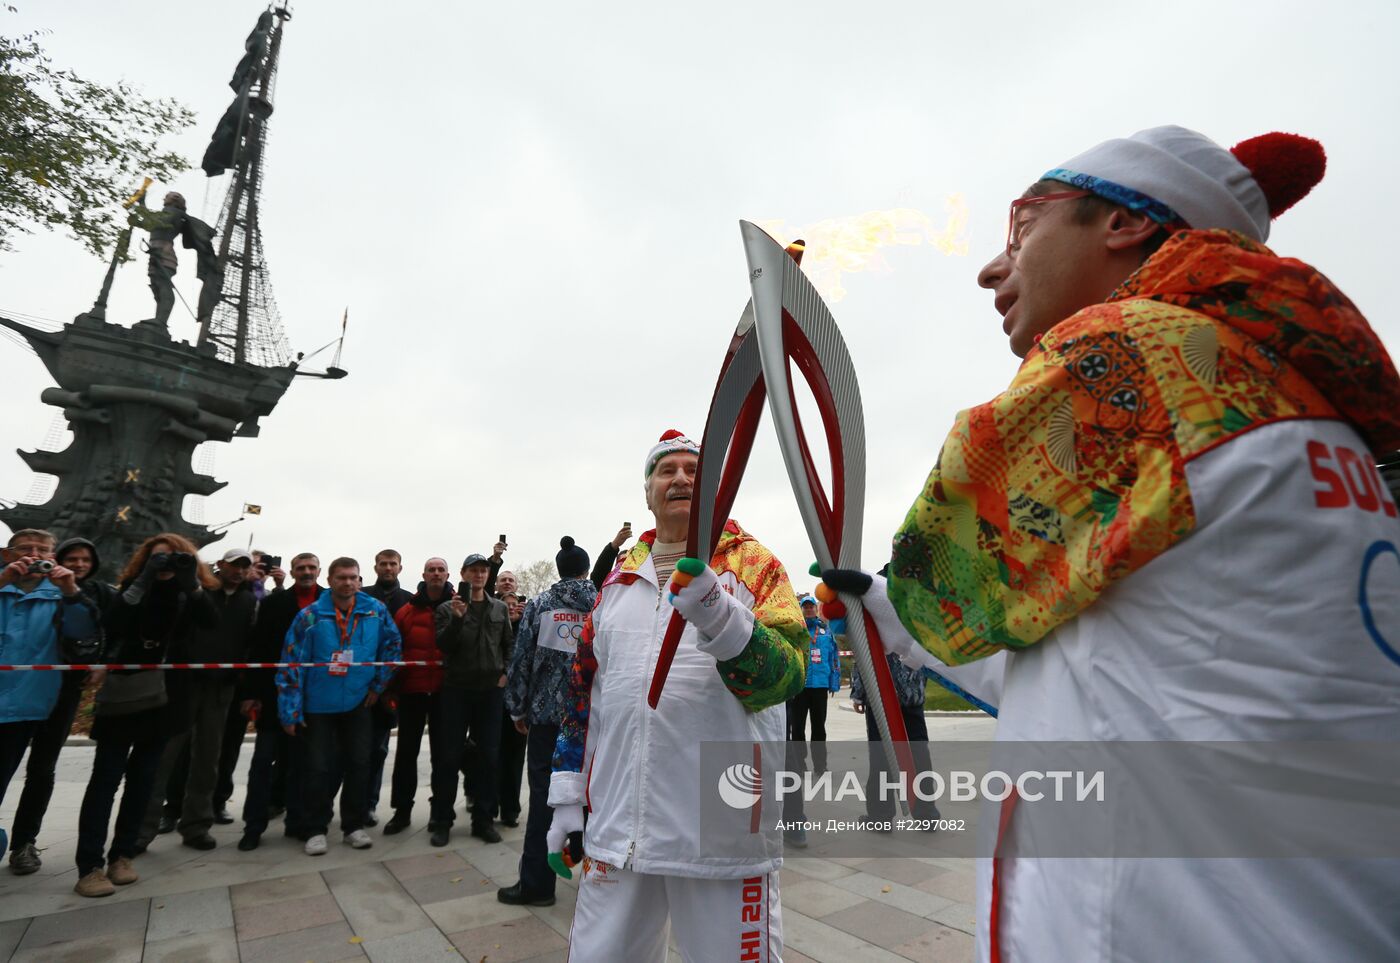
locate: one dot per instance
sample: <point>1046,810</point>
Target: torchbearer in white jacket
<point>1168,528</point>
<point>637,770</point>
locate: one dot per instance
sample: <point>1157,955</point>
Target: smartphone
<point>502,540</point>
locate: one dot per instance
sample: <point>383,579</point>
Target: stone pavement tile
<point>958,916</point>
<point>424,864</point>
<point>792,956</point>
<point>277,890</point>
<point>881,925</point>
<point>462,881</point>
<point>212,946</point>
<point>823,869</point>
<point>10,935</point>
<point>851,861</point>
<point>957,884</point>
<point>558,956</point>
<point>323,944</point>
<point>941,944</point>
<point>497,861</point>
<point>424,944</point>
<point>270,919</point>
<point>560,916</point>
<point>507,942</point>
<point>827,944</point>
<point>373,902</point>
<point>123,947</point>
<point>898,895</point>
<point>469,912</point>
<point>184,914</point>
<point>92,922</point>
<point>910,872</point>
<point>816,899</point>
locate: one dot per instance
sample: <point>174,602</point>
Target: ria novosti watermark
<point>1122,799</point>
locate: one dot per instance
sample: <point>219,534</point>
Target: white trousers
<point>622,915</point>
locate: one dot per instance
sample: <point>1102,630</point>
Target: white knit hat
<point>671,442</point>
<point>1175,174</point>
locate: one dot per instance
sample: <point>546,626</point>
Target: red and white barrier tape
<point>91,666</point>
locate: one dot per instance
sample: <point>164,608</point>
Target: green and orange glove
<point>565,840</point>
<point>723,623</point>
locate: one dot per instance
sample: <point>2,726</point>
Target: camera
<point>173,562</point>
<point>40,566</point>
<point>269,562</point>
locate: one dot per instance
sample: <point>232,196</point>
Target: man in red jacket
<point>418,689</point>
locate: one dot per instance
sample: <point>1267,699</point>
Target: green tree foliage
<point>72,150</point>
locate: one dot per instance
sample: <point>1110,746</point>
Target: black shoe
<point>202,841</point>
<point>486,833</point>
<point>439,836</point>
<point>514,896</point>
<point>25,860</point>
<point>249,842</point>
<point>222,816</point>
<point>397,824</point>
<point>166,825</point>
<point>510,821</point>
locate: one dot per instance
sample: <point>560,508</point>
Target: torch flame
<point>847,245</point>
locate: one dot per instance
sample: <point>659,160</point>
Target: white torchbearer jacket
<point>1170,528</point>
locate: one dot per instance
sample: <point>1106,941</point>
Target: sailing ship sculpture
<point>139,402</point>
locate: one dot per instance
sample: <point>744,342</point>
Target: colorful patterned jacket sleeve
<point>1070,479</point>
<point>291,682</point>
<point>571,746</point>
<point>772,667</point>
<point>518,673</point>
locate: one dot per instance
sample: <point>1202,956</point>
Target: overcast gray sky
<point>531,211</point>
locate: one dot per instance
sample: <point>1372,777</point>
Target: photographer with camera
<point>160,601</point>
<point>277,757</point>
<point>210,694</point>
<point>42,613</point>
<point>79,556</point>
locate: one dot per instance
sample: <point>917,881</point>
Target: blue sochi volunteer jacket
<point>315,636</point>
<point>32,627</point>
<point>823,666</point>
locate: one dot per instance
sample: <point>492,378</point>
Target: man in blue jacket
<point>41,610</point>
<point>329,705</point>
<point>823,678</point>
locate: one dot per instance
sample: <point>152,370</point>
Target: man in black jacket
<point>387,566</point>
<point>473,633</point>
<point>210,692</point>
<point>257,694</point>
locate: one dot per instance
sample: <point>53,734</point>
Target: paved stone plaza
<point>404,900</point>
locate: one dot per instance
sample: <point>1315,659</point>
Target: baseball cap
<point>236,554</point>
<point>476,558</point>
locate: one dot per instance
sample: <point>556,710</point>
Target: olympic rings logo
<point>1363,599</point>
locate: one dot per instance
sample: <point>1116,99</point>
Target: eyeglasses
<point>1013,230</point>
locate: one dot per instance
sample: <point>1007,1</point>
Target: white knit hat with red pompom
<point>671,442</point>
<point>1202,184</point>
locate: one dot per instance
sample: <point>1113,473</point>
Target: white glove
<point>567,819</point>
<point>724,624</point>
<point>896,637</point>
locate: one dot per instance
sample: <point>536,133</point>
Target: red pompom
<point>672,433</point>
<point>1286,167</point>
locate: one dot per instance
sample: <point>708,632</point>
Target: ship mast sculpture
<point>139,402</point>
